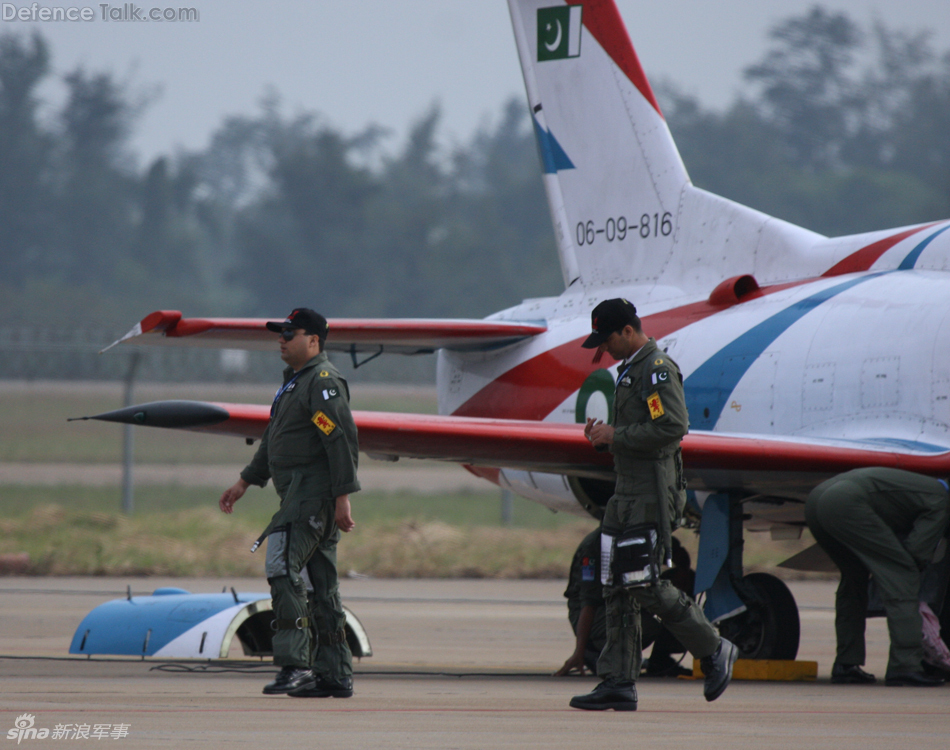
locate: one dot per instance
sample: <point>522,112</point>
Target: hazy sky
<point>384,61</point>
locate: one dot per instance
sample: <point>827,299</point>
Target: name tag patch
<point>323,423</point>
<point>656,406</point>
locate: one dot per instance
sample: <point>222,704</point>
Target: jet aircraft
<point>803,355</point>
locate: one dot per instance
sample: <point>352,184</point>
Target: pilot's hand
<point>601,435</point>
<point>231,495</point>
<point>591,423</point>
<point>342,516</point>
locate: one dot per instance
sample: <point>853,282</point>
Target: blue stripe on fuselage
<point>709,386</point>
<point>913,445</point>
<point>911,259</point>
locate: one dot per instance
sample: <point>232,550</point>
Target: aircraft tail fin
<point>611,170</point>
<point>623,207</point>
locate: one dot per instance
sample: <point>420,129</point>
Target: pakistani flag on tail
<point>559,32</point>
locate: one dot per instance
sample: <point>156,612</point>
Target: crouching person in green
<point>587,613</point>
<point>310,450</point>
<point>883,524</point>
<point>585,607</point>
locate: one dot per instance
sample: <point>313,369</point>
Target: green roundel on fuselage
<point>599,381</point>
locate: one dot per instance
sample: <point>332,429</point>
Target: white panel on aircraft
<point>880,385</point>
<point>940,401</point>
<point>818,388</point>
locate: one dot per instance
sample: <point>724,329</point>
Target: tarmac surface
<point>456,664</point>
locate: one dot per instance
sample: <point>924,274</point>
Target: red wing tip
<point>160,320</point>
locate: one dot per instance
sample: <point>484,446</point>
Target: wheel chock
<point>768,670</point>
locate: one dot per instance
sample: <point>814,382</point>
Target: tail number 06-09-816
<point>651,225</point>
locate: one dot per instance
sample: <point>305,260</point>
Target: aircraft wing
<point>375,335</point>
<point>540,446</point>
<point>789,467</point>
<point>776,466</point>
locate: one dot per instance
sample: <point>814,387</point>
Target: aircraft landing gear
<point>757,612</point>
<point>769,628</point>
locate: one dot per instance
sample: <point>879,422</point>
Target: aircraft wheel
<point>769,628</point>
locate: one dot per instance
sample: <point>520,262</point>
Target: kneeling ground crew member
<point>649,420</point>
<point>585,607</point>
<point>587,613</point>
<point>310,450</point>
<point>885,524</point>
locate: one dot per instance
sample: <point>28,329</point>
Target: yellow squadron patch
<point>657,362</point>
<point>324,374</point>
<point>656,406</point>
<point>323,423</point>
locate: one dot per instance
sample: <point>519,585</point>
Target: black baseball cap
<point>312,322</point>
<point>609,316</point>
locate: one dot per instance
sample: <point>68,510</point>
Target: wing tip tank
<point>170,414</point>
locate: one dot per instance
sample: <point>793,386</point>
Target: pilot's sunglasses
<point>288,334</point>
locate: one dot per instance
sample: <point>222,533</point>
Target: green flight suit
<point>884,523</point>
<point>585,590</point>
<point>649,419</point>
<point>311,452</point>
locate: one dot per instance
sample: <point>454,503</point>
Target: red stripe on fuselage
<point>533,389</point>
<point>605,24</point>
<point>536,387</point>
<point>863,259</point>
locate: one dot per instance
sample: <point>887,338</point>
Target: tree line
<point>844,129</point>
<point>841,129</point>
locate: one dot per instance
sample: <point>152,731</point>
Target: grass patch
<point>180,532</point>
<point>258,505</point>
<point>67,541</point>
<point>434,549</point>
<point>204,542</point>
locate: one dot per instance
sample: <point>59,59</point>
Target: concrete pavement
<point>457,664</point>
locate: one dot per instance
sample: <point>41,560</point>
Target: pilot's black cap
<point>609,316</point>
<point>312,322</point>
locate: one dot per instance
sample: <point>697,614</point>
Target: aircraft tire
<point>770,627</point>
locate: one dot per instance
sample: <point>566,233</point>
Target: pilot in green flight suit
<point>310,450</point>
<point>885,524</point>
<point>650,418</point>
